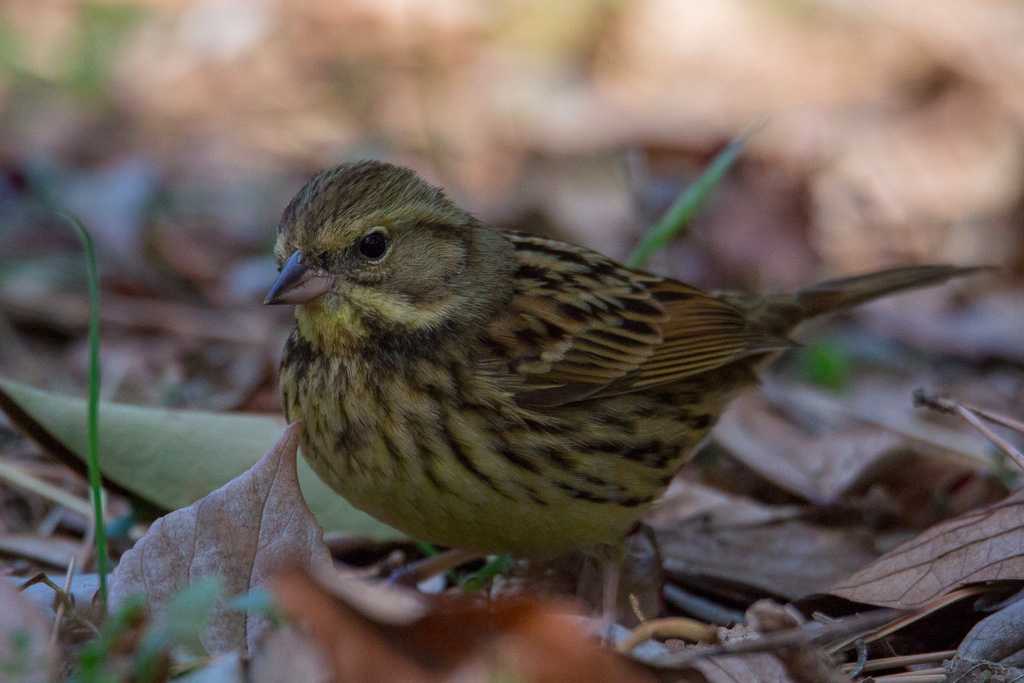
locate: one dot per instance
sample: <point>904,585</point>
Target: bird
<point>502,392</point>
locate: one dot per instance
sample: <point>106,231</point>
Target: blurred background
<point>177,131</point>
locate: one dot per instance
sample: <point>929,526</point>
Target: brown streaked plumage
<point>503,392</point>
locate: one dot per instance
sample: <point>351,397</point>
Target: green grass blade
<point>689,202</point>
<point>92,419</point>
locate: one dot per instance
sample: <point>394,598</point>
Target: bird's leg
<point>421,570</point>
<point>609,560</point>
<point>611,573</point>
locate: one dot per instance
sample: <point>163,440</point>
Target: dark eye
<point>374,245</point>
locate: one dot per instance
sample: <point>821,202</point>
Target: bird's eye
<point>374,245</point>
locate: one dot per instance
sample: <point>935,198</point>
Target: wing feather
<point>583,326</point>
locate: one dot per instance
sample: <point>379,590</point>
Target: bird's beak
<point>298,283</point>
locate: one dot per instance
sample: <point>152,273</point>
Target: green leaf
<point>498,564</point>
<point>172,458</point>
<point>826,364</point>
<point>181,623</point>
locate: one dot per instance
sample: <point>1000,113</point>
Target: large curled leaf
<point>240,534</point>
<point>172,458</point>
<point>983,545</point>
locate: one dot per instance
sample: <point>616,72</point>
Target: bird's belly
<point>446,458</point>
<point>478,518</point>
<point>475,479</point>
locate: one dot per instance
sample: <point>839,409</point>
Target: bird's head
<point>369,246</point>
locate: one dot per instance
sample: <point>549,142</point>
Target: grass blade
<point>93,427</point>
<point>689,202</point>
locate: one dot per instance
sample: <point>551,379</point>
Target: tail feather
<point>842,293</point>
<point>780,313</point>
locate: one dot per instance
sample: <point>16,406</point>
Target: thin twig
<point>945,404</point>
<point>61,598</point>
<point>902,661</point>
<point>973,418</point>
<point>998,418</point>
<point>16,476</point>
<point>805,634</point>
<point>60,608</point>
<point>421,570</point>
<point>1002,444</point>
<point>634,604</point>
<point>672,627</point>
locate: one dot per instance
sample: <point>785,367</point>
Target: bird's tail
<point>778,314</point>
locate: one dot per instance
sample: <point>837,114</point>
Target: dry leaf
<point>997,637</point>
<point>25,654</point>
<point>819,467</point>
<point>459,639</point>
<point>242,532</point>
<point>287,655</point>
<point>737,540</point>
<point>53,551</point>
<point>763,668</point>
<point>983,545</point>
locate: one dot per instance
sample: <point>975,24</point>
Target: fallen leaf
<point>819,467</point>
<point>171,458</point>
<point>242,533</point>
<point>996,637</point>
<point>287,655</point>
<point>53,551</point>
<point>25,654</point>
<point>936,468</point>
<point>763,668</point>
<point>741,541</point>
<point>457,639</point>
<point>983,545</point>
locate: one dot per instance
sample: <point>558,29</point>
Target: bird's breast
<point>433,449</point>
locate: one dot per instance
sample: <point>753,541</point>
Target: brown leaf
<point>996,637</point>
<point>819,467</point>
<point>54,551</point>
<point>983,545</point>
<point>242,532</point>
<point>764,668</point>
<point>737,540</point>
<point>287,655</point>
<point>25,653</point>
<point>459,639</point>
<point>883,446</point>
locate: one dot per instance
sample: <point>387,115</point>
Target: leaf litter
<point>892,136</point>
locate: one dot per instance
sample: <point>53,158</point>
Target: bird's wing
<point>582,326</point>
